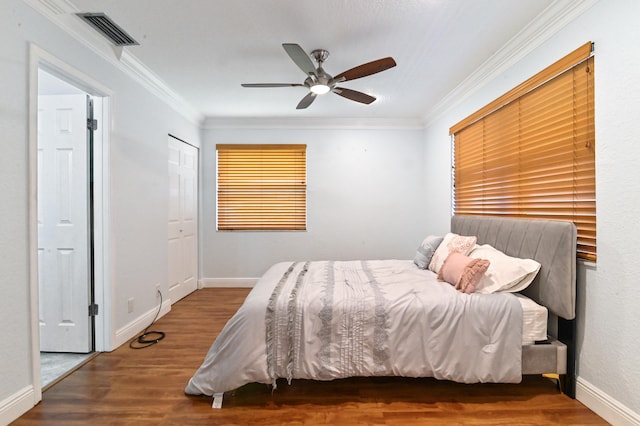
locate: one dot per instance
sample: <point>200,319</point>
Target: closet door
<point>183,219</point>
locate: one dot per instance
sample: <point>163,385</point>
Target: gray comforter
<point>327,320</point>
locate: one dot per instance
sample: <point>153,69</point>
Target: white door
<point>63,224</point>
<point>183,210</point>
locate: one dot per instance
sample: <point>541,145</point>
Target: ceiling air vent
<point>109,29</point>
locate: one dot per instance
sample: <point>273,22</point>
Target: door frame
<point>41,59</point>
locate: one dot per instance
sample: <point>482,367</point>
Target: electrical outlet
<point>158,292</point>
<point>130,304</point>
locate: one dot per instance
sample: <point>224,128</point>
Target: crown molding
<point>62,14</point>
<point>140,72</point>
<point>549,22</point>
<point>555,17</point>
<point>57,7</point>
<point>311,123</point>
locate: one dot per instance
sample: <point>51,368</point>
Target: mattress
<point>534,320</point>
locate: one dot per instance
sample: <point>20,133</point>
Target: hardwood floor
<point>146,387</point>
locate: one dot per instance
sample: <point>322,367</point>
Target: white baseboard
<point>17,404</point>
<point>227,282</point>
<point>134,328</point>
<point>604,405</point>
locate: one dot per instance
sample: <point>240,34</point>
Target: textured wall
<point>608,292</point>
<point>364,200</point>
<point>138,180</point>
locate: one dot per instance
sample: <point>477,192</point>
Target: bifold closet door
<point>183,215</point>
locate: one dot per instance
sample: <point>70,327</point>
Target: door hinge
<point>92,124</point>
<point>93,310</point>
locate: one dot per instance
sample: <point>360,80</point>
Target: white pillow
<point>451,243</point>
<point>505,273</point>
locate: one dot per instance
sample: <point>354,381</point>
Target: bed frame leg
<point>557,379</point>
<point>562,378</point>
<point>217,400</point>
<point>567,335</point>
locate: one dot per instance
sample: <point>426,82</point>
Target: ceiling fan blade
<point>366,69</point>
<point>271,85</point>
<point>354,95</point>
<point>300,57</point>
<point>306,101</point>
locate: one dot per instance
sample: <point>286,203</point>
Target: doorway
<point>65,227</point>
<point>51,76</point>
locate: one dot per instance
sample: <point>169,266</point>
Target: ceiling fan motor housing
<point>320,55</point>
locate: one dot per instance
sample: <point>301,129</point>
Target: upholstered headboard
<point>552,243</point>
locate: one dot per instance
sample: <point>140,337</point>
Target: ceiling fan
<point>319,82</point>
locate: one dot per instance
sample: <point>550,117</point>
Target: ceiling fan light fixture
<point>320,89</point>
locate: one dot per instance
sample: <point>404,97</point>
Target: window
<point>531,152</point>
<point>261,187</point>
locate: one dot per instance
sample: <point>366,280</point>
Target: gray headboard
<point>552,243</point>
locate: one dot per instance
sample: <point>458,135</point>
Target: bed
<point>325,320</point>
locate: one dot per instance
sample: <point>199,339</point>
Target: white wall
<point>138,182</point>
<point>349,214</point>
<point>15,353</point>
<point>608,292</point>
<point>364,200</point>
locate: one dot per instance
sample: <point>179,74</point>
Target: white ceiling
<point>204,50</point>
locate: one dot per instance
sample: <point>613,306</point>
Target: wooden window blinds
<point>531,152</point>
<point>261,187</point>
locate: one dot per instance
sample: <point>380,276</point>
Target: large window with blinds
<point>261,187</point>
<point>531,152</point>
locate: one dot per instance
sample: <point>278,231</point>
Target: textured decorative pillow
<point>451,243</point>
<point>462,272</point>
<point>506,273</point>
<point>426,250</point>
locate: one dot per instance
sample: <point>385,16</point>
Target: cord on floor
<point>148,338</point>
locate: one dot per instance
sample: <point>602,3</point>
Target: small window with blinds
<point>531,152</point>
<point>261,187</point>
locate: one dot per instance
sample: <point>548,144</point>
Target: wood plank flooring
<point>145,387</point>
